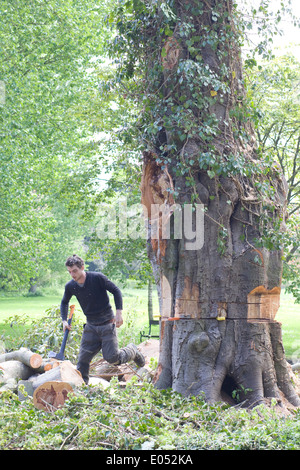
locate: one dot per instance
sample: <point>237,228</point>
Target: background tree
<point>218,304</point>
<point>274,91</point>
<point>116,241</point>
<point>48,155</point>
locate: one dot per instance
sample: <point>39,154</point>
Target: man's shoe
<point>137,356</point>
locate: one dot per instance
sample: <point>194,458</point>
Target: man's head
<point>75,266</point>
<point>75,260</point>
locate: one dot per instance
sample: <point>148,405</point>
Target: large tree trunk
<point>218,302</point>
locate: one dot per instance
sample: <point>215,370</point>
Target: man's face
<point>76,272</point>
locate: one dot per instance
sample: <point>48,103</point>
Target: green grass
<point>32,306</point>
<point>289,316</point>
<point>135,302</point>
<point>135,305</point>
<point>134,299</point>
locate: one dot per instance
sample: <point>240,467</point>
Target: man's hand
<point>66,325</point>
<point>119,318</point>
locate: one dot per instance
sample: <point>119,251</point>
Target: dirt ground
<point>150,348</point>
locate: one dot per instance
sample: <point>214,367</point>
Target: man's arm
<point>115,291</point>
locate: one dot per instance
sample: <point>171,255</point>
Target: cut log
<point>49,396</point>
<point>25,356</point>
<point>50,390</point>
<point>15,369</point>
<point>12,372</point>
<point>45,366</point>
<point>64,372</point>
<point>54,362</point>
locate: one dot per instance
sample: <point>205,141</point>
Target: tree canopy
<point>274,89</point>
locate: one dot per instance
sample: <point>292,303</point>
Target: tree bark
<point>218,302</point>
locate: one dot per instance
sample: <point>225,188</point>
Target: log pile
<point>48,381</point>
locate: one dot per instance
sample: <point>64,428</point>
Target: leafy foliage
<point>137,417</point>
<point>274,95</point>
<point>60,93</point>
<point>47,154</point>
<point>142,418</point>
<point>42,335</point>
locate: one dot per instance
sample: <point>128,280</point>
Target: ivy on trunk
<point>218,303</point>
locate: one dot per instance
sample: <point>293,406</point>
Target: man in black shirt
<point>90,289</point>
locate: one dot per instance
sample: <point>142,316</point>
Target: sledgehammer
<point>60,356</point>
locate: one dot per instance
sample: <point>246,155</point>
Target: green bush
<point>137,417</point>
<point>142,417</point>
<point>42,335</point>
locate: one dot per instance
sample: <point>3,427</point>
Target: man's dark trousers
<point>95,338</point>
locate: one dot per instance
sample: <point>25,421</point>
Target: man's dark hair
<point>75,260</point>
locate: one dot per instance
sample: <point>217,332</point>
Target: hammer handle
<point>64,341</point>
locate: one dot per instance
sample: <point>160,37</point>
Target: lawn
<point>135,306</point>
<point>34,306</point>
<point>289,316</point>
